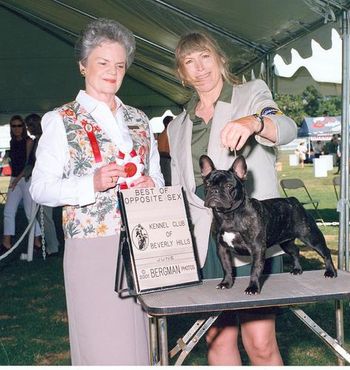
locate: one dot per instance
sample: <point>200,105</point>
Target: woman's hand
<point>143,182</point>
<point>235,134</point>
<point>14,183</point>
<point>106,177</point>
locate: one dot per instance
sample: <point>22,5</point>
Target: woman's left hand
<point>143,182</point>
<point>235,134</point>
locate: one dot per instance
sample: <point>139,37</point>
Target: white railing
<point>29,229</point>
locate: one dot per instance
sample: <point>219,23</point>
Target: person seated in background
<point>163,148</point>
<point>20,147</point>
<point>5,165</point>
<point>33,123</point>
<point>318,148</point>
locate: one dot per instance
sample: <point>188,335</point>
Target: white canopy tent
<point>37,38</point>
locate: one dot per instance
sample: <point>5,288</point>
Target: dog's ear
<point>206,165</point>
<point>239,166</point>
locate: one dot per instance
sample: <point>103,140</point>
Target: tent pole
<point>343,204</point>
<point>269,73</point>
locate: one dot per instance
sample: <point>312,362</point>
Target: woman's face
<point>105,69</point>
<point>17,128</point>
<point>202,71</point>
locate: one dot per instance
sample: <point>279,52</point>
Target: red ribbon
<point>89,129</point>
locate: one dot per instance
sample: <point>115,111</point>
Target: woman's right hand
<point>13,184</point>
<point>106,177</point>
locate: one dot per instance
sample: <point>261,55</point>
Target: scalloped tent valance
<point>37,38</point>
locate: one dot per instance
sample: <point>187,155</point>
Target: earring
<point>183,83</point>
<point>82,72</point>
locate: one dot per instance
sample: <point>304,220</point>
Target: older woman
<point>76,166</point>
<point>222,119</point>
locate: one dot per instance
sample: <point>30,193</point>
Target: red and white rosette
<point>133,166</point>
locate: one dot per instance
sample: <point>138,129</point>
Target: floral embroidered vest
<point>101,218</point>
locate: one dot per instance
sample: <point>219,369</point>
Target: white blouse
<point>48,186</point>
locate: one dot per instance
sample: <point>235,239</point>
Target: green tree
<point>332,105</point>
<point>292,106</point>
<point>312,101</point>
<point>309,104</point>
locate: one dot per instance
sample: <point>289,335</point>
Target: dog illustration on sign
<point>249,226</point>
<point>140,237</point>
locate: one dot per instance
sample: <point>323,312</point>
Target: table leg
<point>153,340</point>
<point>163,341</point>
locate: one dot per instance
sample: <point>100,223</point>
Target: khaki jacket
<point>260,154</point>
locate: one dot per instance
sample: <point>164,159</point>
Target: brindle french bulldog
<point>250,226</point>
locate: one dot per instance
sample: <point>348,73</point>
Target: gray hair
<point>101,30</point>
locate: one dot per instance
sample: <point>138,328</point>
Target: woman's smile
<point>202,71</point>
<point>111,81</point>
<point>203,77</point>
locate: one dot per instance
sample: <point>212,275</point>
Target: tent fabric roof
<point>37,37</point>
<point>319,126</point>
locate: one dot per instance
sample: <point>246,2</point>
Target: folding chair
<point>3,196</point>
<point>336,182</point>
<point>294,184</point>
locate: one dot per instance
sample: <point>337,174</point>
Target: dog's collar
<point>233,208</point>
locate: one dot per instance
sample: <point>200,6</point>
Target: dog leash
<point>234,151</point>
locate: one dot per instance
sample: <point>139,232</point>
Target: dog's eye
<point>228,185</point>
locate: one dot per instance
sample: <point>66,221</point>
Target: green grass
<point>33,320</point>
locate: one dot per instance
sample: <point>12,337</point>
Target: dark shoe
<point>37,251</point>
<point>55,254</point>
<point>3,249</point>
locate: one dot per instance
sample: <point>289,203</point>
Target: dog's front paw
<point>225,284</point>
<point>296,271</point>
<point>252,289</point>
<point>330,274</point>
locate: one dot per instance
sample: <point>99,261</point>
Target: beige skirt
<point>103,329</point>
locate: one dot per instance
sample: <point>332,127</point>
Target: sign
<point>321,138</point>
<point>160,252</point>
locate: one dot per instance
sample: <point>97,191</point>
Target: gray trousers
<point>103,328</point>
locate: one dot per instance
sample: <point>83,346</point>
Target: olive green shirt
<point>201,130</point>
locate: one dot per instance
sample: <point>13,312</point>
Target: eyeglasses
<point>16,126</point>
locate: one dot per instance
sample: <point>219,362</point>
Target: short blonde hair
<point>200,41</point>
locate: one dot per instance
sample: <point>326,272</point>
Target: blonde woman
<point>222,119</point>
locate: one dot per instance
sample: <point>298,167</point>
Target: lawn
<point>33,321</point>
